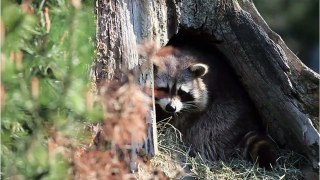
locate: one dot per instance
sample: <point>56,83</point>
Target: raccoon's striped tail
<point>259,148</point>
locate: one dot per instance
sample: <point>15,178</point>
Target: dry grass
<point>174,157</point>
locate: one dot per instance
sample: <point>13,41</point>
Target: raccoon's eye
<point>185,96</point>
<point>182,93</point>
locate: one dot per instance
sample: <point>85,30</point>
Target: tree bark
<point>284,90</point>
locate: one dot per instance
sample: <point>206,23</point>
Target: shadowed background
<point>297,22</point>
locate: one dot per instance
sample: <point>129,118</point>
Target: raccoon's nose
<point>170,108</point>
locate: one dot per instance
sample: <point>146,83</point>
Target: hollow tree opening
<point>283,89</point>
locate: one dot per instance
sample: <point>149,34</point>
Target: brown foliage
<point>27,7</point>
<point>110,155</point>
<point>125,110</point>
<point>98,164</point>
<point>126,107</point>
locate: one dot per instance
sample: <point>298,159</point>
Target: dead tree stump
<point>284,90</point>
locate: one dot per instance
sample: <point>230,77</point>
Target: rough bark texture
<point>284,90</point>
<point>119,29</point>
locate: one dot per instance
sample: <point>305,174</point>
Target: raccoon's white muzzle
<point>171,105</point>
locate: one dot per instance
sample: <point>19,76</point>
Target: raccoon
<point>204,99</point>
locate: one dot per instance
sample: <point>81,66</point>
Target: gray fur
<point>221,114</point>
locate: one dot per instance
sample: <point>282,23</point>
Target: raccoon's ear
<point>198,70</point>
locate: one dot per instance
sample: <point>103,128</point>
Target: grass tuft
<point>174,160</point>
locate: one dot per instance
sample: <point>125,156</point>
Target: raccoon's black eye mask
<point>182,93</point>
<point>185,96</point>
<point>198,70</point>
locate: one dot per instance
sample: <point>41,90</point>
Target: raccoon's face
<point>179,87</point>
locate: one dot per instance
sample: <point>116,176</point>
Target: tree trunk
<point>284,90</point>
